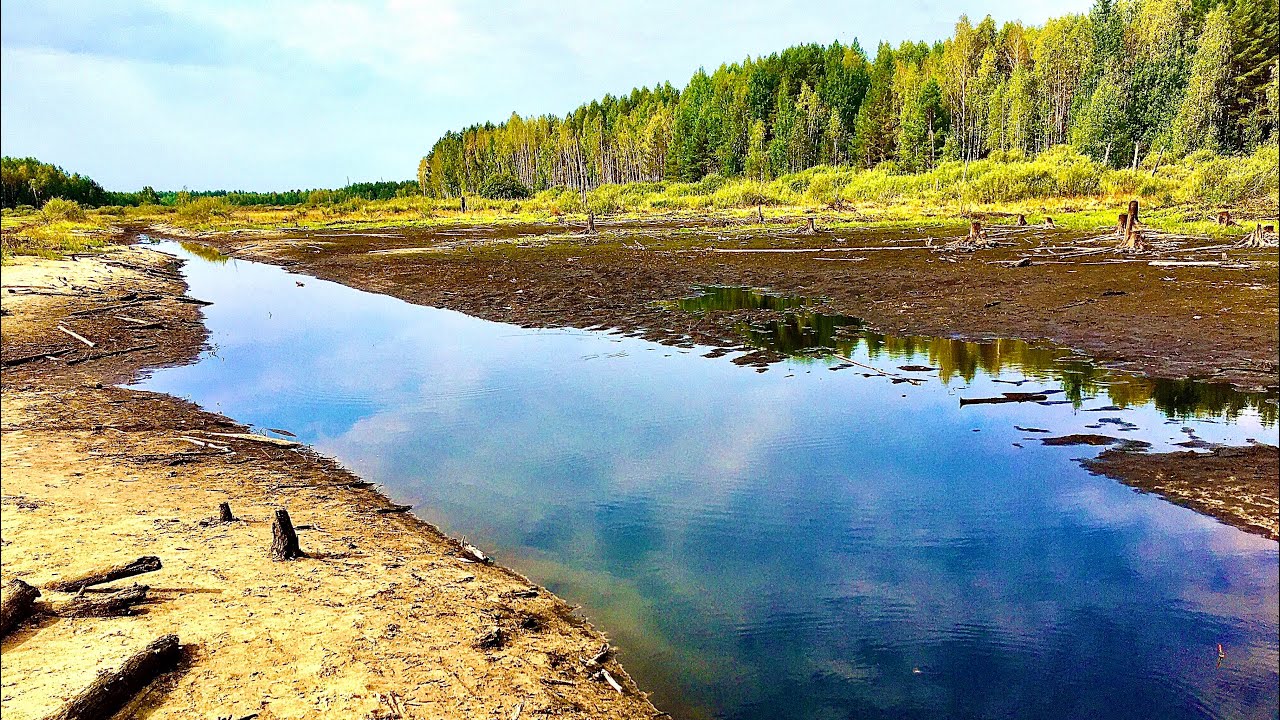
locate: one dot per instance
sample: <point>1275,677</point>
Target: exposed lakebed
<point>793,543</point>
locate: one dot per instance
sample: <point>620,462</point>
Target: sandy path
<point>382,621</point>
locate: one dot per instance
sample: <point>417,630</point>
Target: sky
<point>296,93</point>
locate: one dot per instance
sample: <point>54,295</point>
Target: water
<point>797,543</point>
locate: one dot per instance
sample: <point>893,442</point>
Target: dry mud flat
<point>384,618</point>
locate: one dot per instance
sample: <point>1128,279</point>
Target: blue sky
<point>258,96</point>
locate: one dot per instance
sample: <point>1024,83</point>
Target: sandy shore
<point>384,619</point>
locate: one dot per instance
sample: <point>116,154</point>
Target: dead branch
<point>145,564</point>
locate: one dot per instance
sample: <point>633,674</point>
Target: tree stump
<point>463,206</point>
<point>1022,220</point>
<point>112,690</point>
<point>760,214</point>
<point>811,228</point>
<point>1122,226</point>
<point>1131,239</point>
<point>224,512</point>
<point>1048,222</point>
<point>591,223</point>
<point>284,540</point>
<point>145,564</point>
<point>1224,219</point>
<point>976,234</point>
<point>19,601</point>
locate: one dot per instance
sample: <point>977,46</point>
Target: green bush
<point>504,187</point>
<point>59,209</point>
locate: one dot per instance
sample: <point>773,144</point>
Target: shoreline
<point>384,619</point>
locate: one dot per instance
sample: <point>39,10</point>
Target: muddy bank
<point>1174,321</point>
<point>383,619</point>
<point>1237,485</point>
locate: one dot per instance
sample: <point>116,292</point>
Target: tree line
<point>27,181</point>
<point>1131,81</point>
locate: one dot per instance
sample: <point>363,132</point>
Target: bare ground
<point>382,620</point>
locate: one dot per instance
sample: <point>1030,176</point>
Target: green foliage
<point>1129,80</point>
<point>58,209</point>
<point>504,187</point>
<point>27,181</point>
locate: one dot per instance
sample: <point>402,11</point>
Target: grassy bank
<point>1073,190</point>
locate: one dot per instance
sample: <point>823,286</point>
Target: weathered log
<point>284,540</point>
<point>472,553</point>
<point>115,604</point>
<point>19,601</point>
<point>113,353</point>
<point>110,691</point>
<point>38,356</point>
<point>1014,397</point>
<point>76,335</point>
<point>145,564</point>
<point>393,509</point>
<point>224,512</point>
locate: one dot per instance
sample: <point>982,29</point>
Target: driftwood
<point>604,675</point>
<point>256,438</point>
<point>284,540</point>
<point>471,553</point>
<point>112,690</point>
<point>19,601</point>
<point>116,306</point>
<point>114,604</point>
<point>393,509</point>
<point>76,335</point>
<point>1009,397</point>
<point>145,564</point>
<point>113,353</point>
<point>38,356</point>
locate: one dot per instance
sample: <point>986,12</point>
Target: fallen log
<point>112,690</point>
<point>393,509</point>
<point>113,353</point>
<point>145,564</point>
<point>38,356</point>
<point>115,604</point>
<point>76,335</point>
<point>252,437</point>
<point>471,553</point>
<point>1009,397</point>
<point>19,601</point>
<point>284,540</point>
<point>117,306</point>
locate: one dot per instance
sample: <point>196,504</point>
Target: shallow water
<point>797,543</point>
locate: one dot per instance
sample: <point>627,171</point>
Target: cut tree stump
<point>224,512</point>
<point>284,540</point>
<point>112,690</point>
<point>115,604</point>
<point>19,601</point>
<point>145,564</point>
<point>1022,220</point>
<point>810,228</point>
<point>1130,237</point>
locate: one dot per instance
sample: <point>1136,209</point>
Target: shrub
<point>59,209</point>
<point>504,187</point>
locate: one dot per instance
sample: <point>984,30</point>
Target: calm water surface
<point>796,543</point>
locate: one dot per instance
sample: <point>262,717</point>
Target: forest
<point>28,181</point>
<point>1131,83</point>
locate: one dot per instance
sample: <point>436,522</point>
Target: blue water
<point>796,543</point>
